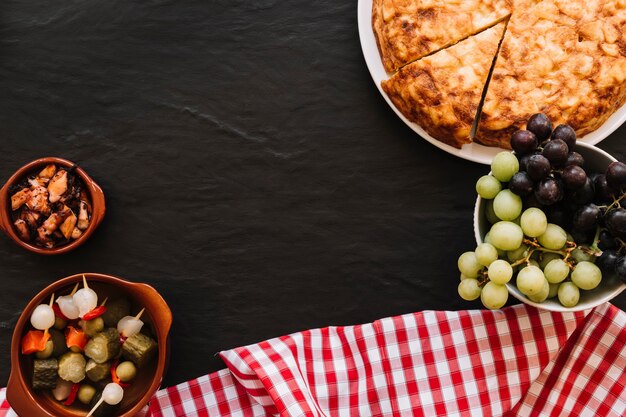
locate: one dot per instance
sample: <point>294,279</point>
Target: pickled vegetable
<point>129,325</point>
<point>58,341</point>
<point>72,367</point>
<point>55,347</point>
<point>96,312</point>
<point>92,327</point>
<point>67,307</point>
<point>34,341</point>
<point>75,339</point>
<point>104,346</point>
<point>45,373</point>
<point>116,309</point>
<point>126,371</point>
<point>47,352</point>
<point>85,299</point>
<point>104,409</point>
<point>42,317</point>
<point>139,349</point>
<point>112,394</point>
<point>86,393</point>
<point>59,323</point>
<point>62,390</point>
<point>73,394</point>
<point>97,371</point>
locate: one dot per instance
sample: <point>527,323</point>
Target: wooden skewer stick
<point>74,290</point>
<point>100,401</point>
<point>140,313</point>
<point>45,332</point>
<point>104,302</point>
<point>85,282</point>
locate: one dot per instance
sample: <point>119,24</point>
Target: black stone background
<point>254,174</point>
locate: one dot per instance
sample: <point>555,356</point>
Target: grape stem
<point>615,202</point>
<point>484,278</point>
<point>596,240</point>
<point>535,246</point>
<point>566,253</point>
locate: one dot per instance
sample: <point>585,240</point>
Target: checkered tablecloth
<point>518,361</point>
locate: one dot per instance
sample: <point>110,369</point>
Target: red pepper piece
<point>95,313</point>
<point>114,376</point>
<point>74,391</point>
<point>34,341</point>
<point>57,312</point>
<point>75,337</point>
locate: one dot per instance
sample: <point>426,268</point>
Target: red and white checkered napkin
<point>517,361</point>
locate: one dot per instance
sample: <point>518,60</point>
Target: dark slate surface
<point>254,174</point>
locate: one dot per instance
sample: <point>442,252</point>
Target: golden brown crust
<point>441,92</point>
<point>564,58</point>
<point>407,30</point>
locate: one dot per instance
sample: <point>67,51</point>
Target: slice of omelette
<point>566,59</point>
<point>441,92</point>
<point>407,30</point>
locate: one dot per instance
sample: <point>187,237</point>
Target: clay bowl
<point>95,194</point>
<point>157,318</point>
<point>596,160</point>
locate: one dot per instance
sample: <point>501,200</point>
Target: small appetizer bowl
<point>95,193</point>
<point>158,320</point>
<point>596,160</point>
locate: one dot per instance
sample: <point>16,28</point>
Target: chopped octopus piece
<point>38,200</point>
<point>83,216</point>
<point>37,182</point>
<point>76,233</point>
<point>57,186</point>
<point>22,230</point>
<point>67,228</point>
<point>30,217</point>
<point>48,172</point>
<point>53,222</point>
<point>18,199</point>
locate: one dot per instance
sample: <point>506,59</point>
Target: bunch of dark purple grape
<point>591,207</point>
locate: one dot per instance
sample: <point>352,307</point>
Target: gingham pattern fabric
<point>518,361</point>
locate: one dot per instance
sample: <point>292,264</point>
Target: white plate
<point>473,151</point>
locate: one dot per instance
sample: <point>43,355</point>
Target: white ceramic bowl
<point>596,160</point>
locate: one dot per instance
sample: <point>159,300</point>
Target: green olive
<point>92,327</point>
<point>58,340</point>
<point>86,393</point>
<point>47,352</point>
<point>59,323</point>
<point>126,371</point>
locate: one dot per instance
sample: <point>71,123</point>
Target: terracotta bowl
<point>157,317</point>
<point>95,193</point>
<point>596,160</point>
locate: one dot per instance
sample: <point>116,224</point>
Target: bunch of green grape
<point>536,253</point>
<point>523,248</point>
